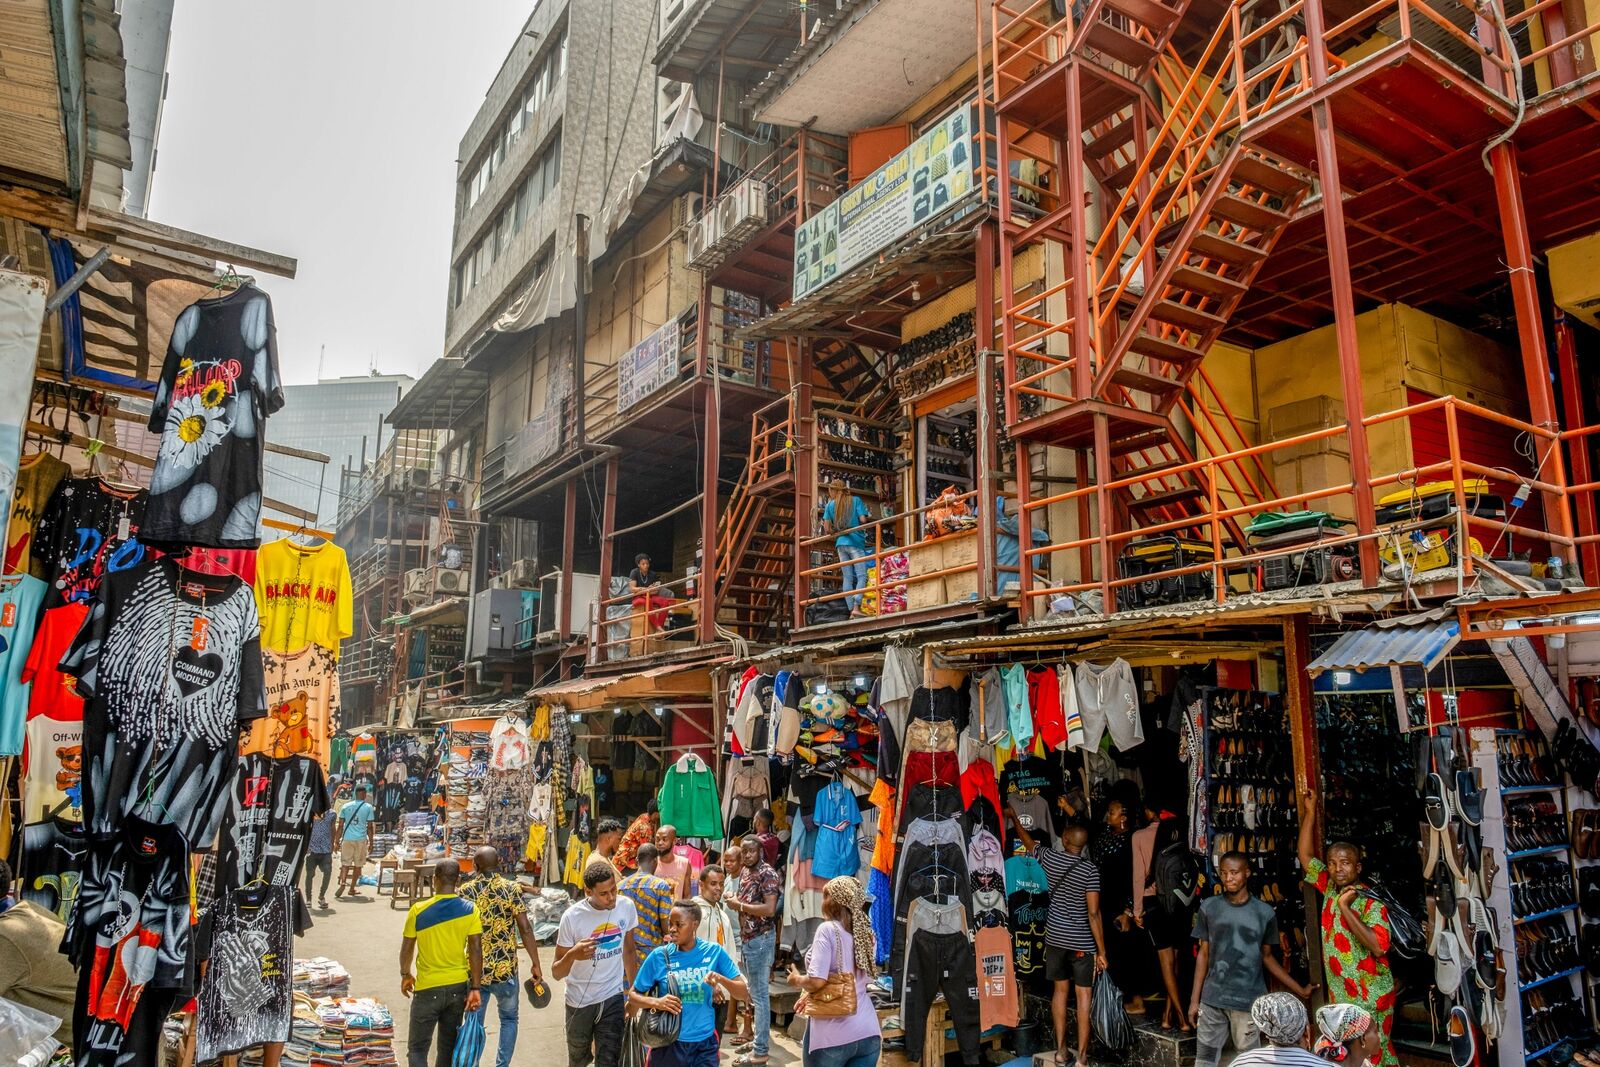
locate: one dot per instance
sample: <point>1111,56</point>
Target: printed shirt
<point>837,817</point>
<point>302,705</point>
<point>499,902</point>
<point>1072,878</point>
<point>37,478</point>
<point>20,598</point>
<point>266,829</point>
<point>441,926</point>
<point>320,843</point>
<point>639,832</point>
<point>755,886</point>
<point>246,996</point>
<point>356,814</point>
<point>595,980</point>
<point>652,901</point>
<point>1235,976</point>
<point>690,969</point>
<point>89,529</point>
<point>169,672</point>
<point>304,595</point>
<point>1353,974</point>
<point>217,387</point>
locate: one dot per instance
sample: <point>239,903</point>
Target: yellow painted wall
<point>1575,277</point>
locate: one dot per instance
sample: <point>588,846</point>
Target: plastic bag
<point>27,1035</point>
<point>1111,1023</point>
<point>469,1041</point>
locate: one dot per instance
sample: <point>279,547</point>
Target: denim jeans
<point>862,1053</point>
<point>508,996</point>
<point>758,955</point>
<point>855,574</point>
<point>438,1008</point>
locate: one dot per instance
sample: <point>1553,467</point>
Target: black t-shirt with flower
<point>217,387</point>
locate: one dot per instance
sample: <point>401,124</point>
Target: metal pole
<point>984,340</point>
<point>580,314</point>
<point>1077,259</point>
<point>709,470</point>
<point>1572,401</point>
<point>608,523</point>
<point>1530,333</point>
<point>568,547</point>
<point>65,290</point>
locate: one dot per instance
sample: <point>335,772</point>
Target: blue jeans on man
<point>758,955</point>
<point>854,571</point>
<point>508,996</point>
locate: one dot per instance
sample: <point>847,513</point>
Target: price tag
<point>124,528</point>
<point>197,633</point>
<point>8,615</point>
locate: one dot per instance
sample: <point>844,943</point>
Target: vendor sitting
<point>645,585</point>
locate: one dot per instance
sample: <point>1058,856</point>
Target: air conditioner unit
<point>446,581</point>
<point>703,253</point>
<point>520,575</point>
<point>419,477</point>
<point>742,212</point>
<point>585,592</point>
<point>418,583</point>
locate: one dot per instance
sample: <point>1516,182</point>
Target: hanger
<point>231,276</point>
<point>296,530</point>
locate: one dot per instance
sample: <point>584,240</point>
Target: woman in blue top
<point>843,515</point>
<point>705,976</point>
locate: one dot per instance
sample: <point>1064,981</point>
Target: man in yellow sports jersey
<point>444,934</point>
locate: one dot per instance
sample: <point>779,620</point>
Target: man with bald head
<point>1074,938</point>
<point>445,936</point>
<point>505,922</point>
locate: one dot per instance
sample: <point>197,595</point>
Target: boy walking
<point>354,831</point>
<point>1236,934</point>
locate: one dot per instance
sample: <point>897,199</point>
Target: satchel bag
<point>836,999</point>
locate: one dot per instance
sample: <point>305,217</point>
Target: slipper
<point>1463,1045</point>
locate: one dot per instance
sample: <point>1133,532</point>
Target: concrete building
<point>339,417</point>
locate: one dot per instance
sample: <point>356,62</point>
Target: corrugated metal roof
<point>32,139</point>
<point>1391,643</point>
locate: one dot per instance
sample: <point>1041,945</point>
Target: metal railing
<point>647,631</point>
<point>1222,564</point>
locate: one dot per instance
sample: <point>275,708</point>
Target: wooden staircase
<point>756,534</point>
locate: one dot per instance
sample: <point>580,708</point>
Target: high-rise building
<point>340,417</point>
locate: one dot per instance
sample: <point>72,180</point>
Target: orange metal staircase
<point>756,532</point>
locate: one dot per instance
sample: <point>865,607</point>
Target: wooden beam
<point>116,225</point>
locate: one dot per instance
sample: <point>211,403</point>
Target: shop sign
<point>649,365</point>
<point>919,184</point>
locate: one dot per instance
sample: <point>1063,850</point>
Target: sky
<point>329,132</point>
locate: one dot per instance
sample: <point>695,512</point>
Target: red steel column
<point>608,523</point>
<point>1582,473</point>
<point>1077,265</point>
<point>709,501</point>
<point>1530,333</point>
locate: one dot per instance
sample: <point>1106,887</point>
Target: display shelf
<point>1542,850</point>
<point>839,464</point>
<point>1530,1057</point>
<point>1512,790</point>
<point>1544,914</point>
<point>1569,972</point>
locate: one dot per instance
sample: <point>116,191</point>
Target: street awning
<point>666,683</point>
<point>1414,639</point>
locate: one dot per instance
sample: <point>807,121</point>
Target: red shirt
<point>54,694</point>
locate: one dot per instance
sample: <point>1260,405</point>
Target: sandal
<point>750,1059</point>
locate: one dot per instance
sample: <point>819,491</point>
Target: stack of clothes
<point>321,977</point>
<point>346,1033</point>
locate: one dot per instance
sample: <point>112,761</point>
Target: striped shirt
<point>652,899</point>
<point>1072,878</point>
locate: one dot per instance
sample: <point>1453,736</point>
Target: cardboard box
<point>961,550</point>
<point>927,593</point>
<point>925,558</point>
<point>961,587</point>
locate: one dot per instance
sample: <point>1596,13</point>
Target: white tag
<point>123,527</point>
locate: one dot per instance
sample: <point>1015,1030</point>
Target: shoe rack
<point>859,452</point>
<point>1533,895</point>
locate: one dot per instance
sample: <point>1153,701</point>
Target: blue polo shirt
<point>836,815</point>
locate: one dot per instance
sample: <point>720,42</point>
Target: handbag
<point>837,998</point>
<point>658,1029</point>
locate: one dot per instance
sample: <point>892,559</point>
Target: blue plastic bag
<point>469,1041</point>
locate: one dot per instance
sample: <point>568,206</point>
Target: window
<point>540,85</point>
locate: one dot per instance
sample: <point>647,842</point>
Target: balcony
<point>867,62</point>
<point>739,36</point>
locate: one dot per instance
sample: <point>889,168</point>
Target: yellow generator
<point>1426,548</point>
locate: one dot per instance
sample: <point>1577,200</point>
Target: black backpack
<point>1177,878</point>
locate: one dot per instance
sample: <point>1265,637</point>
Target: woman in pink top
<point>843,943</point>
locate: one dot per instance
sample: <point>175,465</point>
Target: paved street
<point>364,935</point>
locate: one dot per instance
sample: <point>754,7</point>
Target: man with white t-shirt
<point>595,955</point>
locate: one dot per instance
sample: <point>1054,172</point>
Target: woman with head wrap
<point>843,943</point>
<point>1281,1018</point>
<point>1347,1035</point>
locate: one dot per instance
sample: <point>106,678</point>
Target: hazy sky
<point>328,131</point>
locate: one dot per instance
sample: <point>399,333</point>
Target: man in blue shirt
<point>704,975</point>
<point>354,832</point>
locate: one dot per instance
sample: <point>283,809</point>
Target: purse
<point>658,1029</point>
<point>837,998</point>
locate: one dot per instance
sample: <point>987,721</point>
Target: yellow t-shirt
<point>37,477</point>
<point>303,595</point>
<point>441,925</point>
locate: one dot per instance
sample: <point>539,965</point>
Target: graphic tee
<point>169,664</point>
<point>600,978</point>
<point>52,754</point>
<point>509,747</point>
<point>246,995</point>
<point>37,478</point>
<point>20,598</point>
<point>267,826</point>
<point>1236,933</point>
<point>1029,905</point>
<point>690,969</point>
<point>303,593</point>
<point>89,529</point>
<point>217,387</point>
<point>302,705</point>
<point>52,865</point>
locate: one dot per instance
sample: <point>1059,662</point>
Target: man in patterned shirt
<point>756,901</point>
<point>505,920</point>
<point>652,899</point>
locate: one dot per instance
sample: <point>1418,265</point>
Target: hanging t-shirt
<point>364,749</point>
<point>268,823</point>
<point>303,593</point>
<point>836,816</point>
<point>1019,716</point>
<point>52,692</point>
<point>37,478</point>
<point>246,995</point>
<point>509,749</point>
<point>217,387</point>
<point>1031,787</point>
<point>52,762</point>
<point>302,705</point>
<point>170,671</point>
<point>997,980</point>
<point>52,866</point>
<point>20,598</point>
<point>89,529</point>
<point>1028,901</point>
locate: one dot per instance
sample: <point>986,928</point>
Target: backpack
<point>1177,878</point>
